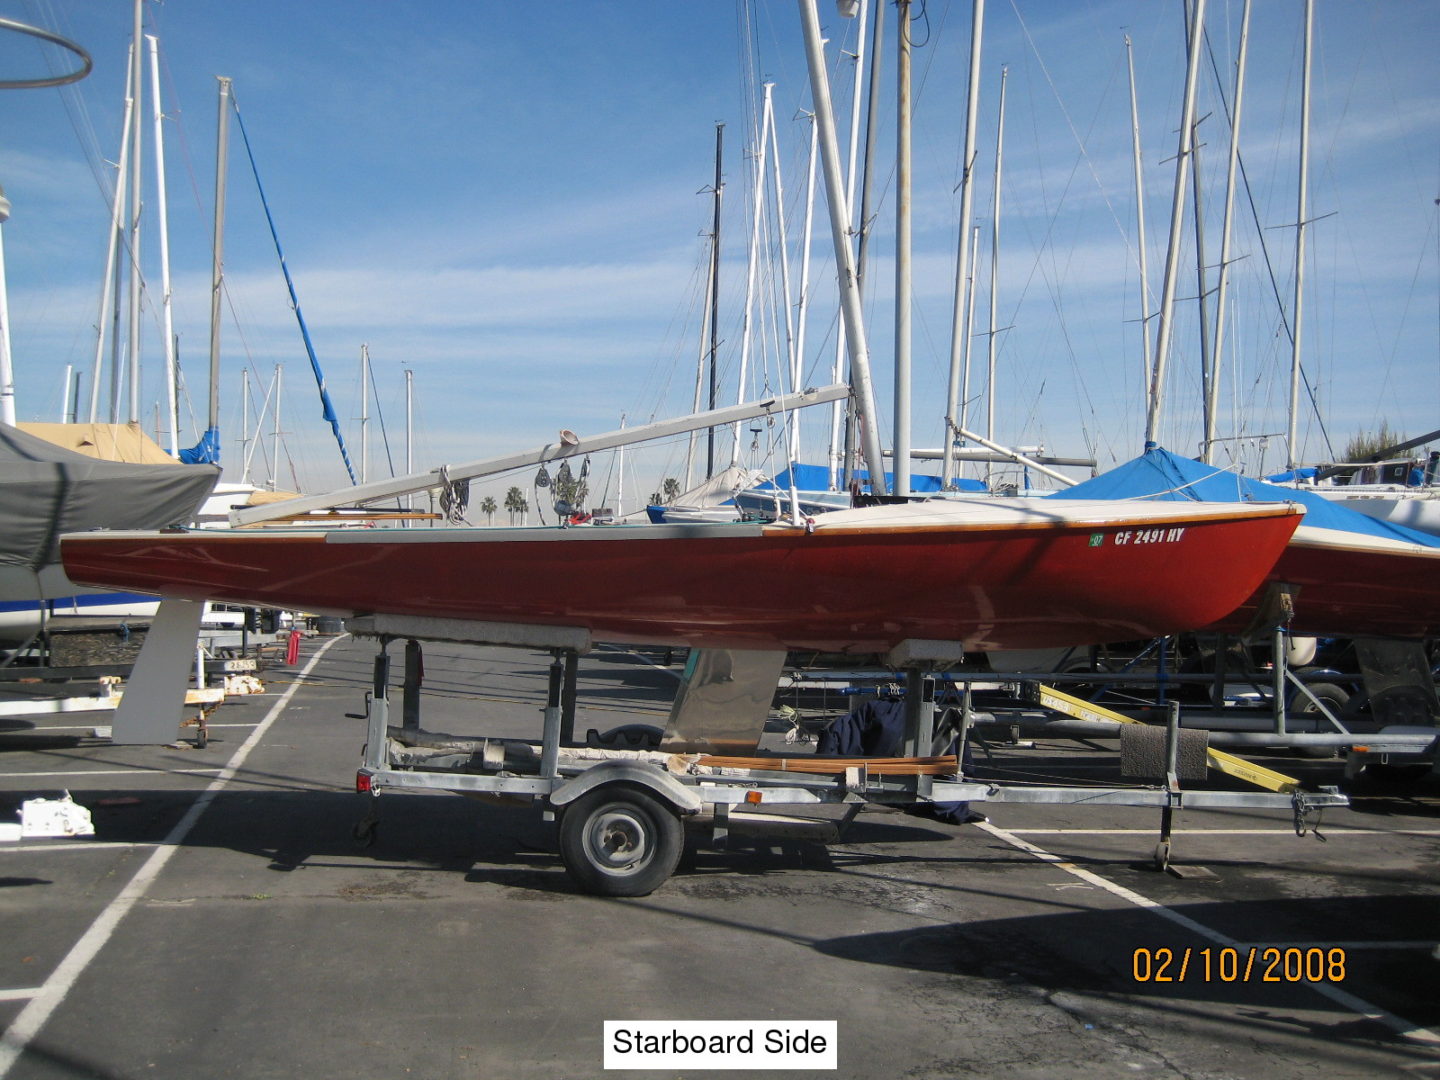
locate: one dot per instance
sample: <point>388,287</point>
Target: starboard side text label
<point>721,1044</point>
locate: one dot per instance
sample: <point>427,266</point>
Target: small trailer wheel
<point>364,832</point>
<point>618,840</point>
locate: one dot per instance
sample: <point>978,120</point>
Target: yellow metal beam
<point>1229,764</point>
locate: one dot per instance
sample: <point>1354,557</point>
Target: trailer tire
<point>1334,698</point>
<point>619,840</point>
<point>363,833</point>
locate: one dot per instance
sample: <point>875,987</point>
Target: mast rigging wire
<point>327,407</point>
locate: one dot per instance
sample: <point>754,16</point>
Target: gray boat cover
<point>46,490</point>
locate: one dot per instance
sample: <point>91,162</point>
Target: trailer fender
<point>684,799</point>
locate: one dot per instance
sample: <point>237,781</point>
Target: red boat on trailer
<point>991,573</point>
<point>1353,585</point>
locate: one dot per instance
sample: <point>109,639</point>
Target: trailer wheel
<point>1334,698</point>
<point>364,833</point>
<point>619,840</point>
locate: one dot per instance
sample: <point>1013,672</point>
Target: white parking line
<point>677,675</point>
<point>49,997</point>
<point>1345,1000</point>
<point>103,772</point>
<point>78,844</point>
<point>19,995</point>
<point>1329,833</point>
<point>48,729</point>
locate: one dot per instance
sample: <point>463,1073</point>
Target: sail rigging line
<point>384,431</point>
<point>77,109</point>
<point>111,277</point>
<point>1070,123</point>
<point>1260,229</point>
<point>1045,262</point>
<point>327,407</point>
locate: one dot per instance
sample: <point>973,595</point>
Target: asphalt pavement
<point>224,922</point>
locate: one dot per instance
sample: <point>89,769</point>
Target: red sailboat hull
<point>1353,585</point>
<point>856,581</point>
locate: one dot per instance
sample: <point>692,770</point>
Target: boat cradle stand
<point>621,812</point>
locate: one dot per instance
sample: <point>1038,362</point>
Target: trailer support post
<point>376,753</point>
<point>551,735</point>
<point>414,675</point>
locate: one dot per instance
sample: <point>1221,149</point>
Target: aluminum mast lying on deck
<point>404,485</point>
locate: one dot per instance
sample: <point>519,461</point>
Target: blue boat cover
<point>1160,474</point>
<point>204,452</point>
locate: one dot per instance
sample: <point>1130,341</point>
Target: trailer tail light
<point>754,797</point>
<point>362,783</point>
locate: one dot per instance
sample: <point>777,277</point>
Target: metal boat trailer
<point>622,812</point>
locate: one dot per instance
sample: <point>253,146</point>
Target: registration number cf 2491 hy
<point>1142,536</point>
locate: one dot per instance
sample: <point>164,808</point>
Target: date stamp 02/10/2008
<point>1239,964</point>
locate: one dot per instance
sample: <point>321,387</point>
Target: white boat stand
<point>622,813</point>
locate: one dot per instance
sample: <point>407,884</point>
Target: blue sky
<point>507,200</point>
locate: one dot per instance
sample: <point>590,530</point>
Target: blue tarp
<point>204,452</point>
<point>817,478</point>
<point>1159,474</point>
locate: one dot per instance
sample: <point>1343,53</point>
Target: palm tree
<point>488,508</point>
<point>515,503</point>
<point>671,488</point>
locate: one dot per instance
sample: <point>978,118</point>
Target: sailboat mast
<point>706,331</point>
<point>959,333</point>
<point>217,274</point>
<point>803,306</point>
<point>840,409</point>
<point>409,421</point>
<point>1222,280</point>
<point>1177,219</point>
<point>255,442</point>
<point>715,295</point>
<point>620,476</point>
<point>409,433</point>
<point>65,387</point>
<point>135,276</point>
<point>1301,208</point>
<point>7,375</point>
<point>903,293</point>
<point>364,413</point>
<point>172,408</point>
<point>107,290</point>
<point>275,443</point>
<point>995,269</point>
<point>792,338</point>
<point>792,357</point>
<point>245,425</point>
<point>1140,245</point>
<point>964,416</point>
<point>1206,370</point>
<point>862,386</point>
<point>757,209</point>
<point>701,353</point>
<point>117,355</point>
